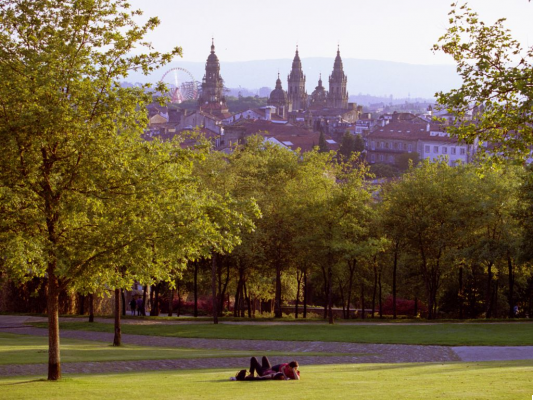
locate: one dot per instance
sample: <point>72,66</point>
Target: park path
<point>352,352</point>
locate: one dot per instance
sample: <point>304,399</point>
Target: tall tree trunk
<point>152,292</point>
<point>236,304</point>
<point>179,299</point>
<point>326,292</point>
<point>143,306</point>
<point>54,357</point>
<point>123,297</point>
<point>351,267</point>
<point>305,294</point>
<point>91,307</point>
<point>195,288</point>
<point>277,303</point>
<point>488,295</point>
<point>214,287</point>
<point>171,303</point>
<point>117,339</point>
<point>511,285</point>
<point>380,297</point>
<point>374,290</point>
<point>394,274</point>
<point>362,300</point>
<point>81,304</point>
<point>461,292</point>
<point>330,296</point>
<point>248,303</point>
<point>298,284</point>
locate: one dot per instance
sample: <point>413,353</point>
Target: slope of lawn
<point>23,349</point>
<point>448,334</point>
<point>490,380</point>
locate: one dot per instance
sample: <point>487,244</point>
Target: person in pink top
<point>266,371</point>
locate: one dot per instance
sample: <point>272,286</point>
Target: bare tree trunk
<point>330,296</point>
<point>214,286</point>
<point>461,293</point>
<point>362,300</point>
<point>143,306</point>
<point>511,285</point>
<point>380,297</point>
<point>305,294</point>
<point>394,274</point>
<point>117,340</point>
<point>81,304</point>
<point>195,289</point>
<point>375,288</point>
<point>277,304</point>
<point>91,307</point>
<point>299,276</point>
<point>123,301</point>
<point>248,303</point>
<point>54,357</point>
<point>179,299</point>
<point>488,295</point>
<point>171,303</point>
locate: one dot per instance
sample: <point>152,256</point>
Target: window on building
<point>453,150</point>
<point>444,150</point>
<point>373,145</point>
<point>391,159</point>
<point>372,158</point>
<point>436,149</point>
<point>463,151</point>
<point>427,149</point>
<point>409,148</point>
<point>381,157</point>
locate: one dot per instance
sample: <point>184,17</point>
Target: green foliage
<point>405,160</point>
<point>240,104</point>
<point>322,144</point>
<point>496,74</point>
<point>384,170</point>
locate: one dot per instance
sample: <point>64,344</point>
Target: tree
<point>70,134</point>
<point>497,84</point>
<point>322,144</point>
<point>347,145</point>
<point>431,205</point>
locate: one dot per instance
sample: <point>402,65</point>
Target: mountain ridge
<point>376,77</point>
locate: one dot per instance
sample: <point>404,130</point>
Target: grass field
<point>22,349</point>
<point>447,334</point>
<point>492,380</point>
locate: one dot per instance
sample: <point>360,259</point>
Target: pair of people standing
<point>137,305</point>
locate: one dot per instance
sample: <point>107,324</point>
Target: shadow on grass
<point>24,382</point>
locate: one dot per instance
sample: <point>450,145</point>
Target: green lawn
<point>451,334</point>
<point>494,380</point>
<point>23,349</point>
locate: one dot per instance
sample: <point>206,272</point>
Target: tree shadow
<point>24,382</point>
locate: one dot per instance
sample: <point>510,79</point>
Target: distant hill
<point>378,78</point>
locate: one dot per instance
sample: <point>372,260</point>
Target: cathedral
<point>212,98</point>
<point>296,99</point>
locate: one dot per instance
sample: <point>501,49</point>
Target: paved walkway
<point>354,352</point>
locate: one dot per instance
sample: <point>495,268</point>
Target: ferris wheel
<point>182,85</point>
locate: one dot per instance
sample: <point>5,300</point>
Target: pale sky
<point>391,30</point>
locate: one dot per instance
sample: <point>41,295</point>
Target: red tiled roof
<point>402,130</point>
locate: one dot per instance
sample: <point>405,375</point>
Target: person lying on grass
<point>266,371</point>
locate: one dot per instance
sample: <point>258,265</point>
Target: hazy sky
<point>392,30</point>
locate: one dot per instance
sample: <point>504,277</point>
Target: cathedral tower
<point>338,96</point>
<point>296,79</point>
<point>212,98</point>
<point>278,98</point>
